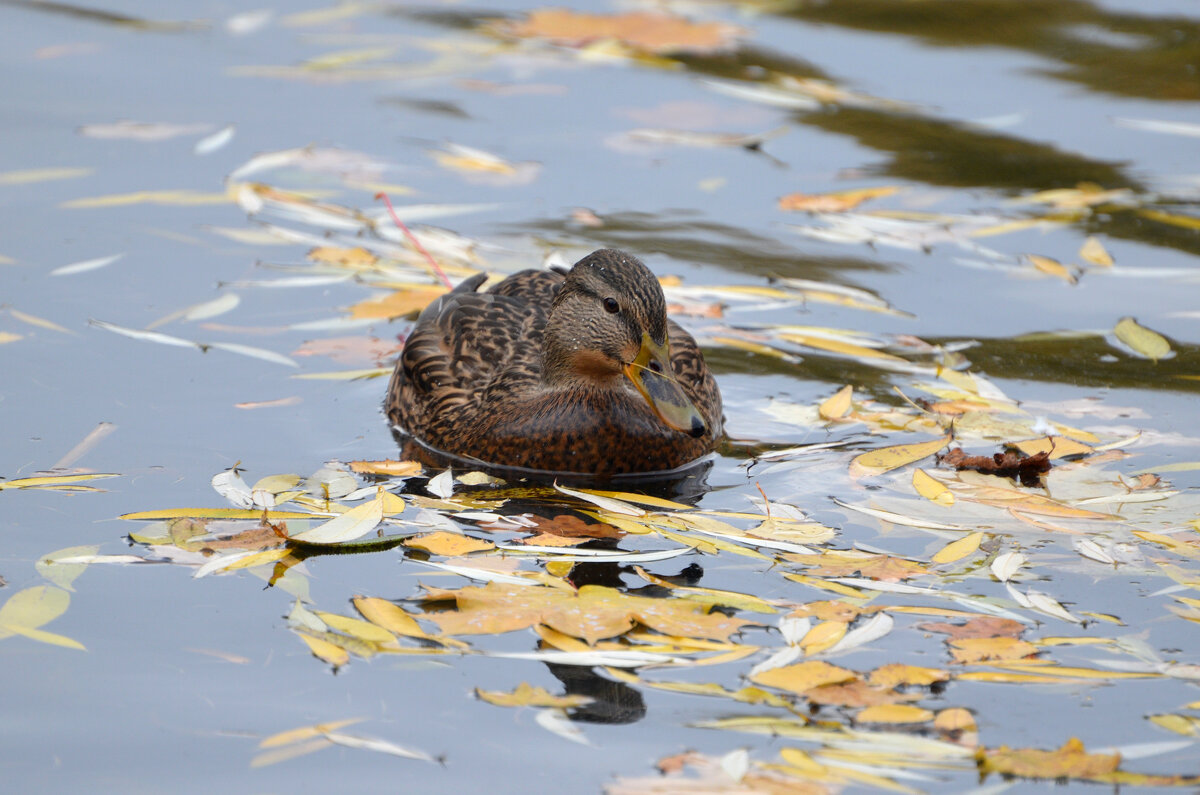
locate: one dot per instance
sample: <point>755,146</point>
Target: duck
<point>575,371</point>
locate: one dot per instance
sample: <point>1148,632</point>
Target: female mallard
<point>577,373</point>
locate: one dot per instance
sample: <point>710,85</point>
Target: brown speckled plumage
<point>529,374</point>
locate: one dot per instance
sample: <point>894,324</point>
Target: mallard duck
<point>570,372</point>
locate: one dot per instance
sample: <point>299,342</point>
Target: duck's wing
<point>466,345</point>
<point>695,378</point>
<point>535,286</point>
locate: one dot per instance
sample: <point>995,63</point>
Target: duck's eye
<point>611,306</point>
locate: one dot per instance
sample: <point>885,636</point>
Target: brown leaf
<point>894,674</point>
<point>982,627</point>
<point>855,693</point>
<point>350,350</point>
<point>1008,464</point>
<point>838,202</point>
<point>569,526</point>
<point>850,563</point>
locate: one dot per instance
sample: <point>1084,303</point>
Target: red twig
<point>437,269</point>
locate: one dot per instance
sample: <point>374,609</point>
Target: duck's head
<point>609,322</point>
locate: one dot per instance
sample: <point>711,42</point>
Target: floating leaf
<point>1144,342</point>
<point>893,713</point>
<point>931,489</point>
<point>525,695</point>
<point>449,544</point>
<point>804,676</point>
<point>354,523</point>
<point>884,459</point>
<point>838,405</point>
<point>85,266</point>
<point>957,550</point>
<point>1093,251</point>
<point>649,32</point>
<point>1069,761</point>
<point>31,608</point>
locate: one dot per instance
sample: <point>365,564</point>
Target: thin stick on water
<point>437,269</point>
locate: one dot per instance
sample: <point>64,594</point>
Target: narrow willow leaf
<point>874,628</point>
<point>556,721</point>
<point>254,353</point>
<point>614,659</point>
<point>602,502</point>
<point>884,459</point>
<point>29,175</point>
<point>354,523</point>
<point>378,746</point>
<point>442,485</point>
<point>1144,342</point>
<point>85,266</point>
<point>1090,549</point>
<point>41,322</point>
<point>52,480</point>
<point>900,519</point>
<point>146,336</point>
<point>326,651</point>
<point>957,550</point>
<point>44,637</point>
<point>211,143</point>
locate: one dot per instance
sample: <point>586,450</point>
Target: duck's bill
<point>660,389</point>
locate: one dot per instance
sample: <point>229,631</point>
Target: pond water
<point>189,271</point>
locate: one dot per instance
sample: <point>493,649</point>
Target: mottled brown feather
<point>471,380</point>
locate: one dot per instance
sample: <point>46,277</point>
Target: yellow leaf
<point>1069,761</point>
<point>803,676</point>
<point>34,320</point>
<point>26,176</point>
<point>326,651</point>
<point>178,198</point>
<point>1186,725</point>
<point>1093,251</point>
<point>31,608</point>
<point>363,630</point>
<point>8,336</point>
<point>50,480</point>
<point>1185,221</point>
<point>397,304</point>
<point>823,636</point>
<point>931,489</point>
<point>957,550</point>
<point>837,406</point>
<point>895,674</point>
<point>525,695</point>
<point>390,468</point>
<point>259,558</point>
<point>1143,341</point>
<point>954,719</point>
<point>44,637</point>
<point>216,513</point>
<point>305,733</point>
<point>739,601</point>
<point>448,544</point>
<point>1052,267</point>
<point>893,713</point>
<point>884,459</point>
<point>839,346</point>
<point>837,202</point>
<point>389,615</point>
<point>63,574</point>
<point>1056,446</point>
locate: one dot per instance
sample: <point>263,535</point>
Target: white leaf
<point>1043,603</point>
<point>886,587</point>
<point>442,485</point>
<point>597,555</point>
<point>1090,549</point>
<point>253,352</point>
<point>606,503</point>
<point>556,721</point>
<point>1005,565</point>
<point>785,656</point>
<point>794,628</point>
<point>613,659</point>
<point>354,523</point>
<point>736,764</point>
<point>211,143</point>
<point>221,561</point>
<point>483,575</point>
<point>900,519</point>
<point>248,21</point>
<point>229,484</point>
<point>332,479</point>
<point>86,265</point>
<point>377,745</point>
<point>145,336</point>
<point>873,629</point>
<point>1018,597</point>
